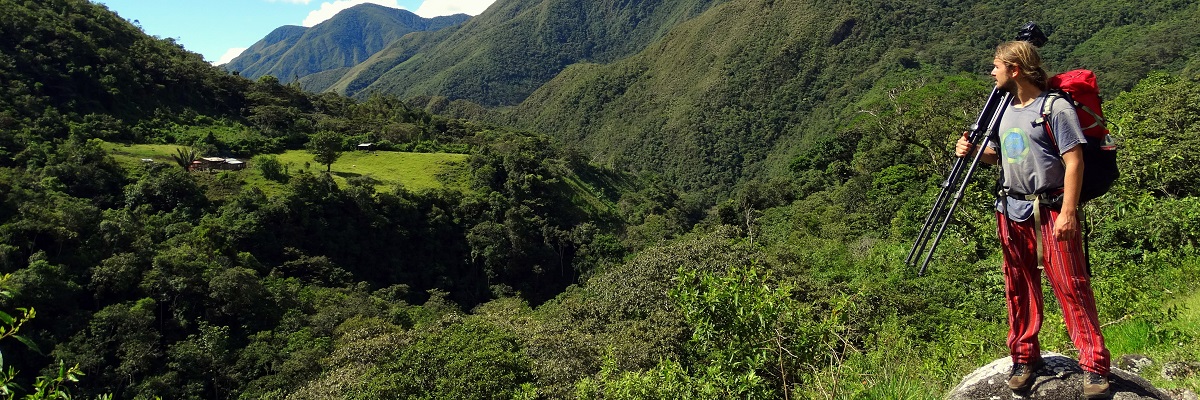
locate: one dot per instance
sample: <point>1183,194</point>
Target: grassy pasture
<point>130,155</point>
<point>414,171</point>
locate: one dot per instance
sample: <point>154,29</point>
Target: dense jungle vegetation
<point>547,275</point>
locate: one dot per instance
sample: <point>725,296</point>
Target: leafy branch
<point>44,387</point>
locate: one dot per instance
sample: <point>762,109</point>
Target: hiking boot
<point>1095,386</point>
<point>1022,376</point>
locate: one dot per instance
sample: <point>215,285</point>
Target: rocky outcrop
<point>1180,370</point>
<point>1061,378</point>
<point>1135,363</point>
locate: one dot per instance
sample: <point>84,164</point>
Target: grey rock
<point>1135,363</point>
<point>1061,378</point>
<point>1182,394</point>
<point>1179,370</point>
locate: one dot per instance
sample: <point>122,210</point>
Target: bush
<point>270,167</point>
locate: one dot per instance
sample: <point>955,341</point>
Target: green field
<point>129,155</point>
<point>414,171</point>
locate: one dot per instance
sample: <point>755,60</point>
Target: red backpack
<point>1100,153</point>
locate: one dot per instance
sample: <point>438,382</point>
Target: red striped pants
<point>1065,267</point>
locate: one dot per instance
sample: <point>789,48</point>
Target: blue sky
<point>220,29</point>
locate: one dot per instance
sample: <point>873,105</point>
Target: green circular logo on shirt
<point>1015,145</point>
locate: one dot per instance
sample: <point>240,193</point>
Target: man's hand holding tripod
<point>964,147</point>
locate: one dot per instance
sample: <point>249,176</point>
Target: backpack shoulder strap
<point>1050,95</point>
<point>1047,101</point>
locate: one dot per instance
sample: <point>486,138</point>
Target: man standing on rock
<point>1038,227</point>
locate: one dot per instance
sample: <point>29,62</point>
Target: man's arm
<point>1067,223</point>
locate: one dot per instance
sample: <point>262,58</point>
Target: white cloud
<point>229,55</point>
<point>434,8</point>
<point>328,10</point>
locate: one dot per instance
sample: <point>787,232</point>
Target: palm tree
<point>184,157</point>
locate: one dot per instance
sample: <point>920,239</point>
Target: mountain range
<point>710,93</point>
<point>503,55</point>
<point>291,52</point>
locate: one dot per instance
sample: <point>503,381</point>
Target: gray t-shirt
<point>1031,162</point>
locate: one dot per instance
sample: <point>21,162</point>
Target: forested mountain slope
<point>757,80</point>
<point>350,37</point>
<point>124,262</point>
<point>508,51</point>
<point>270,48</point>
<point>104,64</point>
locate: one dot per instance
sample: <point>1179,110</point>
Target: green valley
<point>565,200</point>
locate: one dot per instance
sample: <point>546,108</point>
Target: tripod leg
<point>950,211</point>
<point>938,205</point>
<point>993,126</point>
<point>938,212</point>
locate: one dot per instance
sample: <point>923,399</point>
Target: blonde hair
<point>1024,56</point>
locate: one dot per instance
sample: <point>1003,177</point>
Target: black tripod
<point>980,137</point>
